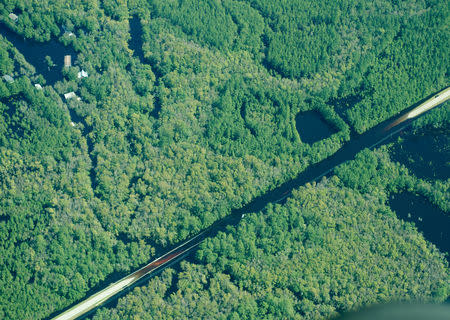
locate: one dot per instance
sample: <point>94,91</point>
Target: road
<point>369,139</point>
<point>116,287</point>
<point>434,101</point>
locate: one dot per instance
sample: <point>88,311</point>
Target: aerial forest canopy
<point>199,119</point>
<point>329,249</point>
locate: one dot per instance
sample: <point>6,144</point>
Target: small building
<point>67,33</point>
<point>8,78</point>
<point>72,123</point>
<point>82,74</point>
<point>68,60</point>
<point>38,86</point>
<point>69,95</point>
<point>13,17</point>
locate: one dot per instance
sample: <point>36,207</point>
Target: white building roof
<point>13,16</point>
<point>69,95</point>
<point>8,78</point>
<point>38,86</point>
<point>82,74</point>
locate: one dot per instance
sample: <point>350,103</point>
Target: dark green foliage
<point>413,66</point>
<point>159,147</point>
<point>370,172</point>
<point>436,118</point>
<point>206,21</point>
<point>6,63</point>
<point>327,250</point>
<point>374,172</point>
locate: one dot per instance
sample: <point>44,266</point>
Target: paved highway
<point>103,295</point>
<point>436,100</point>
<point>280,193</point>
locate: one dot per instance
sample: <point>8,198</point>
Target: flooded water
<point>429,219</point>
<point>35,53</point>
<point>382,133</point>
<point>426,153</point>
<point>312,127</point>
<point>135,42</point>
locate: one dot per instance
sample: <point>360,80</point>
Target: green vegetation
<point>374,172</point>
<point>163,146</point>
<point>328,250</point>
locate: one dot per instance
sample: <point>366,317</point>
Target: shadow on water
<point>76,118</point>
<point>135,42</point>
<point>429,219</point>
<point>312,127</point>
<point>425,153</point>
<point>376,136</point>
<point>35,53</point>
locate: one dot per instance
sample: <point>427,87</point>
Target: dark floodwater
<point>425,153</point>
<point>35,52</point>
<point>135,42</point>
<point>378,135</point>
<point>312,127</point>
<point>429,219</point>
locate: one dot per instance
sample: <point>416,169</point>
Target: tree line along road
<point>369,139</point>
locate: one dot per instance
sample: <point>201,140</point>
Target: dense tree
<point>159,145</point>
<point>329,249</point>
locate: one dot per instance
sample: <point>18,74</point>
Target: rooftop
<point>82,74</point>
<point>69,95</point>
<point>8,78</point>
<point>13,17</point>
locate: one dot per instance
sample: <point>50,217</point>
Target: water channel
<point>135,42</point>
<point>35,53</point>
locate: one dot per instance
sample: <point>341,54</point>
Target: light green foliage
<point>163,146</point>
<point>6,63</point>
<point>413,66</point>
<point>373,172</point>
<point>329,249</point>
